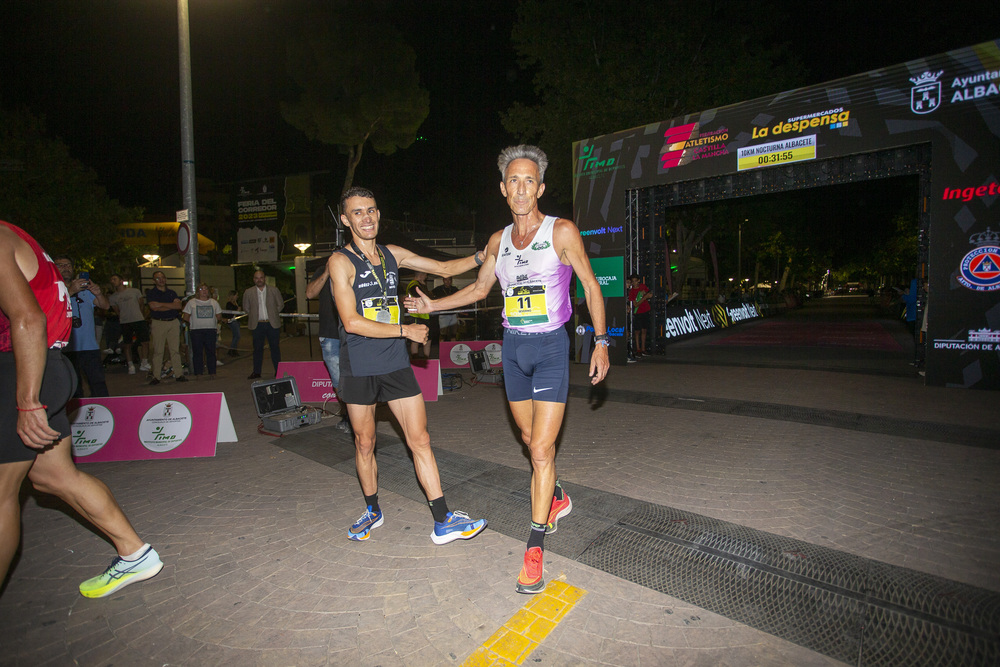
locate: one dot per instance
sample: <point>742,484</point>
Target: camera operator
<point>83,349</point>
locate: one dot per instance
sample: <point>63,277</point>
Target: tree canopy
<point>601,66</point>
<point>56,198</point>
<point>357,86</point>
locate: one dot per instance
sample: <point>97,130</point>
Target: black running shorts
<point>372,389</point>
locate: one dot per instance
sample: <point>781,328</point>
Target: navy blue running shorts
<point>536,365</point>
<point>58,386</point>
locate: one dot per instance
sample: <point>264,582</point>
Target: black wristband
<point>479,262</point>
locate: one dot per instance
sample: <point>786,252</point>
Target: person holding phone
<point>84,350</point>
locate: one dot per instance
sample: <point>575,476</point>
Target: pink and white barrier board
<point>428,374</point>
<point>134,428</point>
<point>456,354</point>
<point>312,379</point>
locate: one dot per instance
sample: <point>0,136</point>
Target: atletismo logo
<point>979,270</point>
<point>675,138</point>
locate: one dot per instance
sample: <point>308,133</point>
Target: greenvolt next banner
<point>688,321</point>
<point>610,273</point>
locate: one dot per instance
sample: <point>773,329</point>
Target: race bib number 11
<point>525,305</point>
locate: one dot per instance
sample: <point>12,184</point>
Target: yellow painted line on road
<point>526,629</point>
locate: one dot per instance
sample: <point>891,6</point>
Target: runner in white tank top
<point>534,258</point>
<point>534,282</point>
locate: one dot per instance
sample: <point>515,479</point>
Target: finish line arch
<point>937,118</point>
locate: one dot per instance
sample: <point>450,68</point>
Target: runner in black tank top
<point>374,366</point>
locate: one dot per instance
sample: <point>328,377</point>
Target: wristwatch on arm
<point>602,339</point>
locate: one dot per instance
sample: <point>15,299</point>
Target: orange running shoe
<point>560,508</point>
<point>530,580</point>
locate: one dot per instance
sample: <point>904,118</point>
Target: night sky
<point>104,74</point>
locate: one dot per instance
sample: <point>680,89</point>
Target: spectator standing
<point>329,332</point>
<point>112,329</point>
<point>638,297</point>
<point>908,297</point>
<point>263,304</point>
<point>447,323</point>
<point>165,327</point>
<point>127,302</point>
<point>234,324</point>
<point>419,282</point>
<point>84,350</point>
<point>202,313</point>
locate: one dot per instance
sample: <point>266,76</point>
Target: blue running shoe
<point>121,573</point>
<point>458,527</point>
<point>362,528</point>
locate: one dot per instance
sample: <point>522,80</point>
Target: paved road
<point>689,470</point>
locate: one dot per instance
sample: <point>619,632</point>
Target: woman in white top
<point>202,313</point>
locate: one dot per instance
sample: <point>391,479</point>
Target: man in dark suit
<point>263,304</point>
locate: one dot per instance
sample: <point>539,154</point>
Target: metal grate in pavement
<point>854,609</point>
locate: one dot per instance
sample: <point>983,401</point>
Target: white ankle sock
<point>137,554</point>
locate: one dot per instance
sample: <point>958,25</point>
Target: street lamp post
<point>187,148</point>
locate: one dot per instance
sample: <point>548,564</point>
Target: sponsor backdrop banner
<point>610,273</point>
<point>133,428</point>
<point>950,101</point>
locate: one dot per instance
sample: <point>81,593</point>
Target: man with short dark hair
<point>165,327</point>
<point>534,258</point>
<point>638,298</point>
<point>447,323</point>
<point>36,381</point>
<point>263,304</point>
<point>374,365</point>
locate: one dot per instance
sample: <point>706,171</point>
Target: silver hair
<point>523,152</point>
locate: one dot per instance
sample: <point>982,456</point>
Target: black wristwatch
<point>602,339</point>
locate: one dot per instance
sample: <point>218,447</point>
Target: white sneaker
<point>144,366</point>
<point>219,363</point>
<point>131,368</point>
